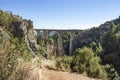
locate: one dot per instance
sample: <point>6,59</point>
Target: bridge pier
<point>46,34</point>
<point>71,43</point>
<point>60,43</point>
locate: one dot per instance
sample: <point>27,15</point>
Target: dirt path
<point>46,74</point>
<point>58,75</point>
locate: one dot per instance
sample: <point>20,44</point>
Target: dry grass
<point>49,64</point>
<point>26,70</point>
<point>30,70</point>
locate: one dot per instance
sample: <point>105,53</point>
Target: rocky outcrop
<point>51,48</point>
<point>23,29</point>
<point>4,40</point>
<point>94,34</point>
<point>19,28</point>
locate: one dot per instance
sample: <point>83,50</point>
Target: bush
<point>111,72</point>
<point>63,63</point>
<point>9,59</point>
<point>95,69</point>
<point>6,18</point>
<point>110,58</point>
<point>85,62</point>
<point>8,64</point>
<point>41,51</point>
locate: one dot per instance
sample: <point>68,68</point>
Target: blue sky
<point>64,14</point>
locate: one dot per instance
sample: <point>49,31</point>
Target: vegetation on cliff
<point>96,50</point>
<point>17,41</point>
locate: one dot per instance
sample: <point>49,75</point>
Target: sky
<point>64,14</point>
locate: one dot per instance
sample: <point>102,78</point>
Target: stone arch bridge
<point>60,33</point>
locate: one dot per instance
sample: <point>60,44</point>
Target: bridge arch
<point>59,42</point>
<point>60,36</point>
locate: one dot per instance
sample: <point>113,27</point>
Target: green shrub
<point>84,61</point>
<point>95,69</point>
<point>99,50</point>
<point>63,63</point>
<point>42,50</point>
<point>6,18</point>
<point>110,58</point>
<point>111,72</point>
<point>9,59</point>
<point>8,64</point>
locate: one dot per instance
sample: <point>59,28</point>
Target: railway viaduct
<point>59,32</point>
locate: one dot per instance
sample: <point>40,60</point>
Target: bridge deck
<point>60,30</point>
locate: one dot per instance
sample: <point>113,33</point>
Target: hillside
<point>107,35</point>
<point>23,53</point>
<point>17,40</point>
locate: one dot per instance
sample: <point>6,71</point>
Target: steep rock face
<point>4,40</point>
<point>19,28</point>
<point>94,34</point>
<point>50,48</point>
<point>23,29</point>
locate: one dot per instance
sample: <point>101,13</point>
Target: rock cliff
<point>4,40</point>
<point>22,29</point>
